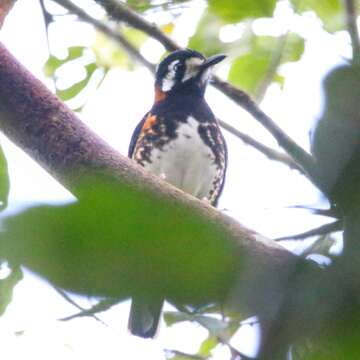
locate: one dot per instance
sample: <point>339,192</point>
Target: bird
<point>179,140</point>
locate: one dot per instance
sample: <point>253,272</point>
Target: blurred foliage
<point>255,59</point>
<point>84,62</point>
<point>258,67</point>
<point>235,11</point>
<point>336,138</point>
<point>7,285</point>
<point>137,244</point>
<point>4,181</point>
<point>134,246</point>
<point>330,12</point>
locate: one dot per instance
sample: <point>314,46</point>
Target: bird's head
<point>184,70</point>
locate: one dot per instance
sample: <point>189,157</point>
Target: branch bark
<point>48,131</point>
<point>270,153</point>
<point>120,12</point>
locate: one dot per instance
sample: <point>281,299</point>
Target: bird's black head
<point>185,69</point>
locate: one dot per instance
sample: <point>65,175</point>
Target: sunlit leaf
<point>174,317</point>
<point>331,12</point>
<point>168,28</point>
<point>207,346</point>
<point>264,56</point>
<point>136,37</point>
<point>53,62</point>
<point>118,241</point>
<point>206,38</point>
<point>7,286</point>
<point>214,325</point>
<point>235,11</point>
<point>109,54</point>
<point>76,88</point>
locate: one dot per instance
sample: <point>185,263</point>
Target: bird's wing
<point>135,135</point>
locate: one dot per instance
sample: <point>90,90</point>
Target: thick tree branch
<point>49,132</point>
<point>267,151</point>
<point>120,12</point>
<point>351,18</point>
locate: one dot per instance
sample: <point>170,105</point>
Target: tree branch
<point>120,12</point>
<point>351,18</point>
<point>48,131</point>
<point>99,25</point>
<point>267,151</point>
<point>321,230</point>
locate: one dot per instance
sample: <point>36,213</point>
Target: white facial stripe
<point>192,68</point>
<point>169,80</point>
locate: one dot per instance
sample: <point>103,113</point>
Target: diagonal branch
<point>351,18</point>
<point>107,30</point>
<point>265,150</point>
<point>272,154</point>
<point>120,12</point>
<point>34,119</point>
<point>321,230</point>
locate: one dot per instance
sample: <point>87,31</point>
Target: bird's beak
<point>212,60</point>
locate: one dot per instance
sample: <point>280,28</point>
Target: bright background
<point>257,192</point>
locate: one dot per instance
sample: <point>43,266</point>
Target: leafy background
<point>256,63</point>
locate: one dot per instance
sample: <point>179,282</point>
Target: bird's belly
<point>186,162</point>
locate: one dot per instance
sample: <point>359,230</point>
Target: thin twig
<point>72,302</point>
<point>48,19</point>
<point>321,230</point>
<point>99,25</point>
<point>120,12</point>
<point>101,306</point>
<point>305,160</point>
<point>270,153</point>
<point>267,151</point>
<point>351,18</point>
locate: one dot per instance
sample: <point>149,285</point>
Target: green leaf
<point>259,66</point>
<point>234,11</point>
<point>249,70</point>
<point>215,326</point>
<point>207,346</point>
<point>76,88</point>
<point>206,38</point>
<point>331,12</point>
<point>7,286</point>
<point>53,62</point>
<point>119,241</point>
<point>174,317</point>
<point>4,180</point>
<point>108,53</point>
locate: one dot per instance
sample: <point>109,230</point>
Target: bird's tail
<point>145,316</point>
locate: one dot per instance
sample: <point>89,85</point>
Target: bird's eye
<point>178,66</point>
